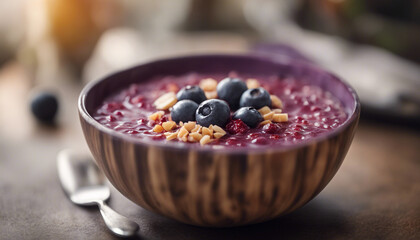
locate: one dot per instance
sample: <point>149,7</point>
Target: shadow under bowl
<point>223,187</point>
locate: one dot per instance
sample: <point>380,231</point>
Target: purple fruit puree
<point>312,111</point>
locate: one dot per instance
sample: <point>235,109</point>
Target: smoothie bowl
<point>219,140</point>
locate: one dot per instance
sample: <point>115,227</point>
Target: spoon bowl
<point>85,185</point>
<point>81,179</point>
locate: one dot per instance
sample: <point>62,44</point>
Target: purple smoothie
<point>312,111</point>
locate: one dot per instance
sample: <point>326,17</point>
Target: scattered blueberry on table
<point>44,107</point>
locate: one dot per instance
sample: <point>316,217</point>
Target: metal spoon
<point>85,185</point>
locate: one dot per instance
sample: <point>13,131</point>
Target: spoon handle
<point>117,223</point>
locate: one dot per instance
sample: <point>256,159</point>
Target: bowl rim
<point>353,116</point>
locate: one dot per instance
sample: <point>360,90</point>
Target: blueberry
<point>249,115</point>
<point>194,93</point>
<point>184,111</point>
<point>213,111</point>
<point>255,97</point>
<point>44,107</point>
<point>230,90</point>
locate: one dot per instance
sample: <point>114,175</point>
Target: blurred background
<point>373,44</point>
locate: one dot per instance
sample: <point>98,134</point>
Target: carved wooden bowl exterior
<point>225,187</point>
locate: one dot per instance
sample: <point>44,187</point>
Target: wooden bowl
<point>224,187</point>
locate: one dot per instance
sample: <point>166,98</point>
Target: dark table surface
<point>375,194</point>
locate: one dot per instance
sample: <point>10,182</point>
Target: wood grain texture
<point>218,189</point>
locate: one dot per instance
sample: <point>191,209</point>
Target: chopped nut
<point>268,116</point>
<point>158,129</point>
<point>197,128</point>
<point>169,125</point>
<point>183,132</point>
<point>211,94</point>
<point>208,84</point>
<point>280,117</point>
<point>264,110</point>
<point>189,126</point>
<point>192,139</point>
<point>252,83</point>
<point>218,129</point>
<point>181,124</point>
<point>219,135</point>
<point>165,101</point>
<point>277,110</point>
<point>156,116</point>
<point>184,138</point>
<point>172,136</point>
<point>196,136</point>
<point>265,122</point>
<point>205,139</point>
<point>276,102</point>
<point>207,131</point>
